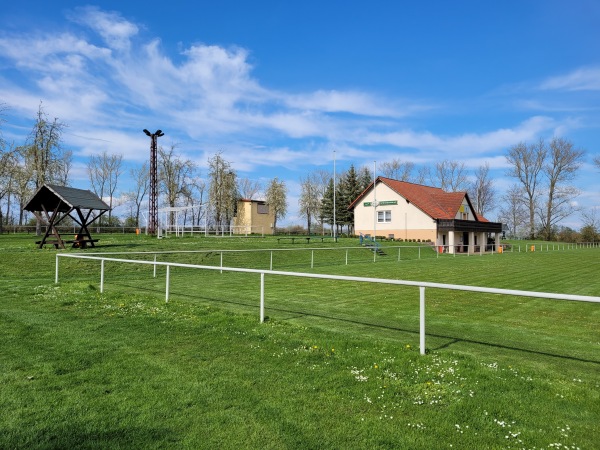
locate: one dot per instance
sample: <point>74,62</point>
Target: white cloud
<point>115,31</point>
<point>359,103</point>
<point>468,142</point>
<point>583,79</point>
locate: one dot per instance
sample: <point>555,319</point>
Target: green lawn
<point>336,365</point>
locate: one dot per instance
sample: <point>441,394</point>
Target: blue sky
<point>278,86</point>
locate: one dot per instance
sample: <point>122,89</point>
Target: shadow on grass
<point>76,436</point>
<point>452,340</point>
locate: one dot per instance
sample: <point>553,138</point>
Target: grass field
<point>336,365</point>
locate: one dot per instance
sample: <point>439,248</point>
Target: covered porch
<point>467,236</point>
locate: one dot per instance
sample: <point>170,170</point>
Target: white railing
<point>420,284</point>
<point>413,250</point>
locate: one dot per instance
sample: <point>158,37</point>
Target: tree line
<point>540,198</point>
<point>42,159</point>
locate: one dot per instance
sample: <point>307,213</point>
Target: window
<point>262,208</point>
<point>384,216</point>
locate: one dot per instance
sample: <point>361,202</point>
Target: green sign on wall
<point>382,203</point>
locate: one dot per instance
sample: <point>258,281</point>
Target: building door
<point>465,242</point>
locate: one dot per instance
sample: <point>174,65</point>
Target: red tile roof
<point>435,202</point>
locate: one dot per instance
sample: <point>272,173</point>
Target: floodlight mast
<point>153,203</point>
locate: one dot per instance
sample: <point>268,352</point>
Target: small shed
<point>59,202</point>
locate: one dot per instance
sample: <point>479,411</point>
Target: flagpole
<point>374,201</point>
<point>334,231</point>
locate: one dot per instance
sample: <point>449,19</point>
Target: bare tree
<point>175,174</point>
<point>43,155</point>
<point>597,161</point>
<point>514,211</point>
<point>482,190</point>
<point>22,189</point>
<point>591,217</point>
<point>249,188</point>
<point>222,193</point>
<point>43,151</point>
<point>450,176</point>
<point>141,177</point>
<point>321,180</point>
<point>310,200</point>
<point>423,174</point>
<point>560,168</point>
<point>197,200</point>
<point>591,224</point>
<point>7,180</point>
<point>527,162</point>
<point>104,171</point>
<point>276,197</point>
<point>397,169</point>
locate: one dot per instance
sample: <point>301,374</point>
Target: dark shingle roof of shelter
<point>65,198</point>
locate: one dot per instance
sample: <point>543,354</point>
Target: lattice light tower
<point>153,203</point>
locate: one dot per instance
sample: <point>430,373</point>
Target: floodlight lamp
<point>147,132</point>
<point>159,133</point>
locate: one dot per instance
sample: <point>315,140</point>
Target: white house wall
<point>407,221</point>
<point>464,209</point>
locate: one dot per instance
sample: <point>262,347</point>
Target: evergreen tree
<point>327,205</point>
<point>352,190</point>
<point>365,178</point>
<point>341,202</point>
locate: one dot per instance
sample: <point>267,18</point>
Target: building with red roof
<point>400,210</point>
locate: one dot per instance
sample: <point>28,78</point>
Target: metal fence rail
<point>262,272</point>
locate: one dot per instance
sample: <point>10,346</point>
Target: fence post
<point>102,276</point>
<point>56,270</point>
<point>271,265</point>
<point>221,262</point>
<point>346,256</point>
<point>262,297</point>
<point>312,258</point>
<point>154,266</point>
<point>422,319</point>
<point>398,253</point>
<point>167,283</point>
<point>419,252</point>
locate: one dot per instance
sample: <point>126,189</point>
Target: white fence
<point>232,231</point>
<point>421,285</point>
<point>358,254</point>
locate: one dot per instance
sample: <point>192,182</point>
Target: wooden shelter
<point>59,202</point>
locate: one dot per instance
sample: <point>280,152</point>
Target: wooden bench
<point>294,238</point>
<point>54,242</point>
<point>323,238</point>
<point>80,243</point>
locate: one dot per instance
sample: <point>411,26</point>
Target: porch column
<point>471,242</point>
<point>497,241</point>
<point>482,242</point>
<point>450,241</point>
